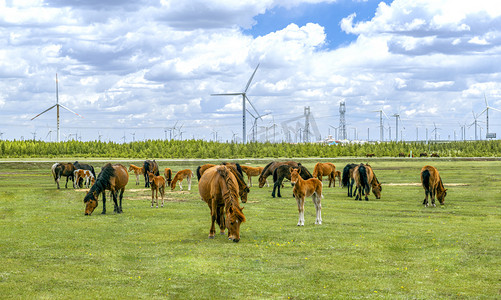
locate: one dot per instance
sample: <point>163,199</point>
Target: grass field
<point>391,248</point>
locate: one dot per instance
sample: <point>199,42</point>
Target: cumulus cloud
<point>149,64</point>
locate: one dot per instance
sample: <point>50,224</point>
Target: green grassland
<point>391,248</point>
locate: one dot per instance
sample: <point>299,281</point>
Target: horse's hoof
<point>221,233</point>
<point>236,241</point>
<point>211,237</point>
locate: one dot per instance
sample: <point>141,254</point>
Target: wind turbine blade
<point>482,112</point>
<point>250,113</point>
<point>485,98</point>
<point>228,94</point>
<point>252,106</point>
<point>44,111</point>
<point>250,80</point>
<point>70,110</point>
<point>385,114</point>
<point>495,109</point>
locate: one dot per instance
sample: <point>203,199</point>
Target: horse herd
<point>223,186</point>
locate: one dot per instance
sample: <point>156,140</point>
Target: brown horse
<point>63,169</point>
<point>86,175</point>
<point>306,188</point>
<point>137,171</point>
<point>218,187</point>
<point>325,169</point>
<point>370,155</point>
<point>338,175</point>
<point>348,178</point>
<point>434,155</point>
<point>168,175</point>
<point>157,183</point>
<point>365,180</point>
<point>423,154</point>
<point>201,169</point>
<point>113,178</point>
<point>242,186</point>
<point>252,171</point>
<point>270,168</point>
<point>149,166</point>
<point>433,185</point>
<point>180,176</point>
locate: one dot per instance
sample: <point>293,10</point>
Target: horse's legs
<point>425,201</point>
<point>249,180</point>
<point>180,185</point>
<point>300,208</point>
<point>433,194</point>
<point>162,192</point>
<point>104,203</point>
<point>318,208</point>
<point>189,183</point>
<point>152,197</point>
<point>115,202</point>
<point>121,197</point>
<point>213,214</point>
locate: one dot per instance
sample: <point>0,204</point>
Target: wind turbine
<point>57,106</point>
<point>475,122</point>
<point>381,128</point>
<point>435,129</point>
<point>244,97</point>
<point>254,124</point>
<point>488,135</point>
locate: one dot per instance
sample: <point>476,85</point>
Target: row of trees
<point>207,149</point>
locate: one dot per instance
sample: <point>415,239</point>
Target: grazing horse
<point>152,167</point>
<point>86,175</point>
<point>218,187</point>
<point>201,169</point>
<point>338,175</point>
<point>284,172</point>
<point>63,169</point>
<point>168,175</point>
<point>348,178</point>
<point>306,188</point>
<point>366,180</point>
<point>157,183</point>
<point>370,155</point>
<point>433,185</point>
<point>423,154</point>
<point>113,178</point>
<point>270,168</point>
<point>325,169</point>
<point>186,173</point>
<point>434,155</point>
<point>401,154</point>
<point>137,171</point>
<point>252,171</point>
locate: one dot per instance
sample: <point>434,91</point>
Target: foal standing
<point>433,185</point>
<point>157,183</point>
<point>306,188</point>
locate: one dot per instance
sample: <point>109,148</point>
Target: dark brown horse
<point>152,167</point>
<point>348,178</point>
<point>270,168</point>
<point>306,188</point>
<point>283,172</point>
<point>113,178</point>
<point>433,185</point>
<point>63,169</point>
<point>366,180</point>
<point>168,176</point>
<point>218,187</point>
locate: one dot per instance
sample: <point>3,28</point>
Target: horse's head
<point>262,181</point>
<point>376,190</point>
<point>441,193</point>
<point>131,168</point>
<point>294,175</point>
<point>234,218</point>
<point>151,176</point>
<point>243,194</point>
<point>91,202</point>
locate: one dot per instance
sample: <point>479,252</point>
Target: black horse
<point>78,165</point>
<point>152,167</point>
<point>282,172</point>
<point>347,179</point>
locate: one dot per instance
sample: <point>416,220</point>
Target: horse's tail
<point>364,180</point>
<point>92,171</point>
<point>275,175</point>
<point>425,179</point>
<point>198,173</point>
<point>346,175</point>
<point>168,176</point>
<point>53,169</point>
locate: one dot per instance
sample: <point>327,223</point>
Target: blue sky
<point>137,69</point>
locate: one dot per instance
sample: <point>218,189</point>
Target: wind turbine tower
<point>244,98</point>
<point>306,137</point>
<point>57,105</point>
<point>488,134</point>
<point>342,121</point>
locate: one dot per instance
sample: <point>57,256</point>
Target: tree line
<point>208,149</point>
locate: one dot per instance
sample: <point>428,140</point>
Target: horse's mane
<point>230,196</point>
<point>102,181</point>
<point>265,169</point>
<point>305,171</point>
<point>238,175</point>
